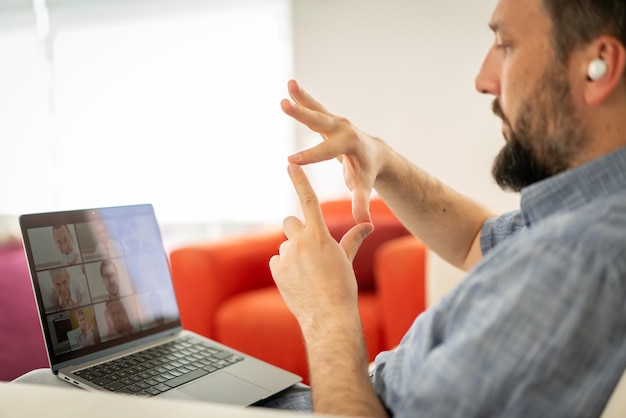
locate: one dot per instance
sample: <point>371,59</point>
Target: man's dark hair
<point>59,226</point>
<point>577,22</point>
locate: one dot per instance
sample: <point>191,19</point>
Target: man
<point>65,293</point>
<point>110,278</point>
<point>538,326</point>
<point>65,244</point>
<point>117,318</point>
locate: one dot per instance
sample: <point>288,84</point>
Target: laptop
<point>109,315</point>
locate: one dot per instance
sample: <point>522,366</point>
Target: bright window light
<point>180,110</point>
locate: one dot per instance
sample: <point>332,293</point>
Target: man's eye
<point>503,49</point>
<point>500,44</point>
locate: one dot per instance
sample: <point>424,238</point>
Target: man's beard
<point>548,135</point>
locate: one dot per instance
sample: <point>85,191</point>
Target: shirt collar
<point>573,188</point>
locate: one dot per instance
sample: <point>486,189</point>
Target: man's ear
<point>598,86</point>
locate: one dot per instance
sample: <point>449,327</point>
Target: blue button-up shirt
<point>538,327</point>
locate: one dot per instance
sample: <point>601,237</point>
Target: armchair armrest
<point>206,274</point>
<point>400,271</point>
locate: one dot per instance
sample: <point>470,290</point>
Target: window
<point>175,103</point>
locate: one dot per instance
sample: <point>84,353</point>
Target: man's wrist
<point>337,321</point>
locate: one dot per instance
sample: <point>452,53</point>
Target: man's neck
<point>606,126</point>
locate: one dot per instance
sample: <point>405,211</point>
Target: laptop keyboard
<point>161,368</point>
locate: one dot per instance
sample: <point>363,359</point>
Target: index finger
<point>300,96</point>
<point>308,199</point>
<point>315,120</point>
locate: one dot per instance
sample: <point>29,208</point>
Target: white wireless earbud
<point>597,69</point>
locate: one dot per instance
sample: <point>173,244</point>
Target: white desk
<point>41,394</point>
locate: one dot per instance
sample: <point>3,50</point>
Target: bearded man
<point>538,326</point>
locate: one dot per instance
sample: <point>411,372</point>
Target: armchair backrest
<point>339,219</point>
<point>343,207</point>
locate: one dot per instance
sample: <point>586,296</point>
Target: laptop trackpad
<point>225,388</point>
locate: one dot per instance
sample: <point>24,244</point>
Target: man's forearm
<point>446,221</point>
<point>338,366</point>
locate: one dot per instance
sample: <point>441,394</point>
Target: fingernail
<point>293,168</point>
<point>295,158</point>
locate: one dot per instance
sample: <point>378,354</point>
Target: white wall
<point>404,70</point>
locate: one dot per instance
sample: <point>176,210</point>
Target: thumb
<point>352,240</point>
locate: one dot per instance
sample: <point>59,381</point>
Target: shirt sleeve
<point>515,339</point>
<point>498,229</point>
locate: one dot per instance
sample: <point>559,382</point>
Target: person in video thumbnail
<point>106,247</point>
<point>110,277</point>
<point>132,240</point>
<point>88,334</point>
<point>117,318</point>
<point>66,293</point>
<point>65,243</point>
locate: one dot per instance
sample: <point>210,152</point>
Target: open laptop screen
<point>100,277</point>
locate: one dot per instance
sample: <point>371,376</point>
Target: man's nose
<point>488,79</point>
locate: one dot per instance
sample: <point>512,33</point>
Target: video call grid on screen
<point>100,280</point>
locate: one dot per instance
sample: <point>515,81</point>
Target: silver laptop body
<point>109,316</point>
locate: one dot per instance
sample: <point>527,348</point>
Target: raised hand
<point>358,152</point>
<point>312,271</point>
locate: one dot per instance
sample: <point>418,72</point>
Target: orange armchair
<point>225,290</point>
